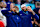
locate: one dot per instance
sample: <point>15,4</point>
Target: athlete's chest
<point>23,15</point>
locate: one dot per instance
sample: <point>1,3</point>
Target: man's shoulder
<point>20,11</point>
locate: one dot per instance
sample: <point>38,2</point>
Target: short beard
<point>22,9</point>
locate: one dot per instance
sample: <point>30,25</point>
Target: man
<point>26,14</point>
<point>12,18</point>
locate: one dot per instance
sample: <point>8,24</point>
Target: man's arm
<point>4,12</point>
<point>34,15</point>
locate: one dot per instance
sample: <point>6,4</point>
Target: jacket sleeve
<point>35,16</point>
<point>4,12</point>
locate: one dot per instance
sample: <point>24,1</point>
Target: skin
<point>13,8</point>
<point>24,8</point>
<point>2,4</point>
<point>28,9</point>
<point>39,11</point>
<point>17,9</point>
<point>36,21</point>
<point>18,0</point>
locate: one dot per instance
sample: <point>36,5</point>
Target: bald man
<point>26,13</point>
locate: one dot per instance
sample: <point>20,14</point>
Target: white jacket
<point>3,18</point>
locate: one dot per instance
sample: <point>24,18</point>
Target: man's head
<point>37,4</point>
<point>3,4</point>
<point>23,7</point>
<point>13,7</point>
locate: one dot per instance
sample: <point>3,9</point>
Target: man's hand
<point>13,10</point>
<point>30,10</point>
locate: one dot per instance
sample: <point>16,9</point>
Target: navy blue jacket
<point>26,18</point>
<point>13,20</point>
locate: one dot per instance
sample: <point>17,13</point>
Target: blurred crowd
<point>34,4</point>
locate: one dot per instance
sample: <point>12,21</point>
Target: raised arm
<point>4,12</point>
<point>34,15</point>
